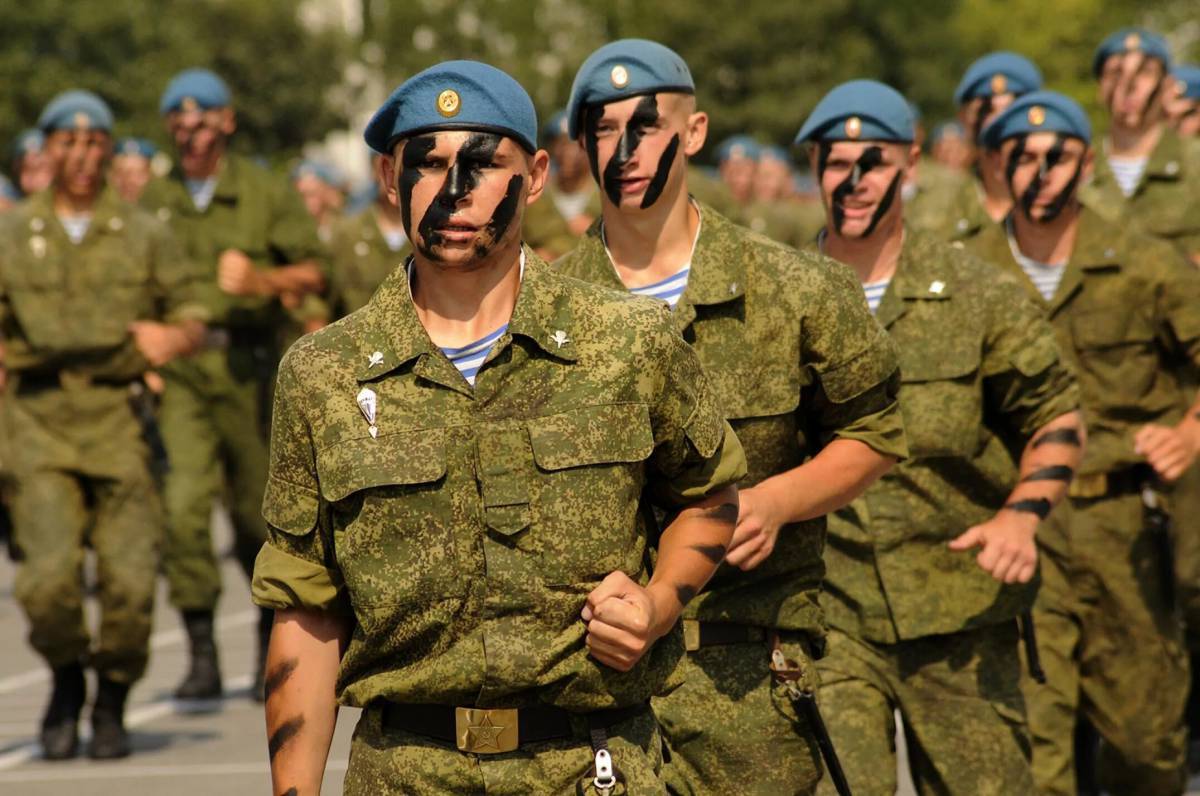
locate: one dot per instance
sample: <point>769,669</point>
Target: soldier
<point>32,171</point>
<point>775,210</point>
<point>93,293</point>
<point>918,624</point>
<point>250,231</point>
<point>737,162</point>
<point>949,147</point>
<point>366,248</point>
<point>1125,309</point>
<point>456,477</point>
<point>1145,174</point>
<point>989,85</point>
<point>571,203</point>
<point>806,378</point>
<point>9,195</point>
<point>130,170</point>
<point>322,190</point>
<point>1183,106</point>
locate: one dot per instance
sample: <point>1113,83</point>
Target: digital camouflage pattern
<point>386,761</point>
<point>214,410</point>
<point>980,372</point>
<point>1127,313</point>
<point>960,697</point>
<point>1164,203</point>
<point>796,361</point>
<point>362,259</point>
<point>465,538</point>
<point>546,231</point>
<point>82,478</point>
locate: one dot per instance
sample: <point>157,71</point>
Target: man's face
<point>79,158</point>
<point>1130,87</point>
<point>952,151</point>
<point>1043,171</point>
<point>569,159</point>
<point>860,183</point>
<point>200,134</point>
<point>314,195</point>
<point>739,174</point>
<point>462,194</point>
<point>974,114</point>
<point>1183,112</point>
<point>35,172</point>
<point>772,180</point>
<point>129,175</point>
<point>638,147</point>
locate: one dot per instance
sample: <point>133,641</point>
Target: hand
<point>621,621</point>
<point>159,343</point>
<point>154,382</point>
<point>237,276</point>
<point>1170,451</point>
<point>756,531</point>
<point>1009,553</point>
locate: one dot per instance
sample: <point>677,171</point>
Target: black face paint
<point>659,180</point>
<point>985,108</point>
<point>502,216</point>
<point>1038,506</point>
<point>645,115</point>
<point>411,161</point>
<point>1045,166</point>
<point>1059,436</point>
<point>871,158</point>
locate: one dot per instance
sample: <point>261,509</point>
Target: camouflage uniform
<point>82,476</point>
<point>1110,634</point>
<point>796,361</point>
<point>916,626</point>
<point>362,259</point>
<point>951,211</point>
<point>214,410</point>
<point>790,222</point>
<point>545,229</point>
<point>516,498</point>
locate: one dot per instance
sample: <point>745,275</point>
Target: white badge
<point>560,338</point>
<point>366,404</point>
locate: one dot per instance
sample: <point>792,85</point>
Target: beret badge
<point>999,84</point>
<point>1037,115</point>
<point>853,127</point>
<point>619,76</point>
<point>448,103</point>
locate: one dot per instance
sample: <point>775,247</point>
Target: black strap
<point>713,634</point>
<point>535,724</point>
<point>1029,638</point>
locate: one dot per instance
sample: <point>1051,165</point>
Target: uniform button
<point>36,224</point>
<point>37,245</point>
<point>164,214</point>
<point>362,249</point>
<point>116,224</point>
<point>1172,168</point>
<point>1109,253</point>
<point>962,225</point>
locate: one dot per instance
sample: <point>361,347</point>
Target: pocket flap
<point>949,360</point>
<point>1101,328</point>
<point>592,435</point>
<point>403,459</point>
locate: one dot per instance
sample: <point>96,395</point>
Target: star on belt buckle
<point>485,732</point>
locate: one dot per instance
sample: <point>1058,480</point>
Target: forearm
<point>300,279</point>
<point>838,474</point>
<point>689,551</point>
<point>302,666</point>
<point>1047,466</point>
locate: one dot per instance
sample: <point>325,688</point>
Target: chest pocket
<point>590,464</point>
<point>1112,344</point>
<point>940,393</point>
<point>393,517</point>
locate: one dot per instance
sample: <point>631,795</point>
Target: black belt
<point>1129,480</point>
<point>29,382</point>
<point>697,634</point>
<point>495,730</point>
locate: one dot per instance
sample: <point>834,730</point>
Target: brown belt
<point>697,634</point>
<point>496,730</point>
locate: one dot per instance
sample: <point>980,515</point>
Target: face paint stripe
<point>503,215</point>
<point>462,178</point>
<point>659,180</point>
<point>644,116</point>
<point>871,158</point>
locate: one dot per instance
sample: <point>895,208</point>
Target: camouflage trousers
<point>1111,641</point>
<point>210,420</point>
<point>959,696</point>
<point>388,761</point>
<point>730,730</point>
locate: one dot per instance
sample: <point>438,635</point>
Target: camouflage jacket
<point>253,211</point>
<point>546,230</point>
<point>796,361</point>
<point>790,222</point>
<point>362,259</point>
<point>1127,314</point>
<point>465,536</point>
<point>949,206</point>
<point>980,372</point>
<point>1166,202</point>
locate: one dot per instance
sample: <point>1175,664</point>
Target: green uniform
<point>1127,313</point>
<point>917,627</point>
<point>464,535</point>
<point>790,222</point>
<point>796,361</point>
<point>950,207</point>
<point>213,410</point>
<point>82,477</point>
<point>545,228</point>
<point>362,259</point>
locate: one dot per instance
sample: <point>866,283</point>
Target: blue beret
<point>1129,39</point>
<point>738,146</point>
<point>31,140</point>
<point>775,153</point>
<point>8,190</point>
<point>555,126</point>
<point>864,110</point>
<point>199,86</point>
<point>623,69</point>
<point>135,146</point>
<point>998,73</point>
<point>322,171</point>
<point>455,95</point>
<point>74,110</point>
<point>951,128</point>
<point>1038,112</point>
<point>1189,76</point>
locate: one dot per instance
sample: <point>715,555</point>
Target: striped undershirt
<point>201,191</point>
<point>75,226</point>
<point>669,289</point>
<point>1044,276</point>
<point>1128,172</point>
<point>875,291</point>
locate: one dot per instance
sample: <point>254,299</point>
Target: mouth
<point>856,210</point>
<point>457,232</point>
<point>631,186</point>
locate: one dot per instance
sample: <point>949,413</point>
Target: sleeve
<point>183,285</point>
<point>696,452</point>
<point>295,568</point>
<point>1026,381</point>
<point>1177,300</point>
<point>292,236</point>
<point>855,372</point>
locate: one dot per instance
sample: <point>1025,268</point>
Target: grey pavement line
<point>140,772</point>
<point>163,638</point>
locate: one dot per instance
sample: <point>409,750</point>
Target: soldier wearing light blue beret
<point>990,84</point>
<point>130,170</point>
<point>1183,106</point>
<point>31,168</point>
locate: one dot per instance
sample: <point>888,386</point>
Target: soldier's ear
<point>697,133</point>
<point>1089,163</point>
<point>539,168</point>
<point>385,173</point>
<point>228,122</point>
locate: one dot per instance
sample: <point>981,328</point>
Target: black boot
<point>60,738</point>
<point>266,618</point>
<point>109,738</point>
<point>203,679</point>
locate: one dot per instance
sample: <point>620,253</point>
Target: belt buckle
<point>1092,485</point>
<point>485,731</point>
<point>691,634</point>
